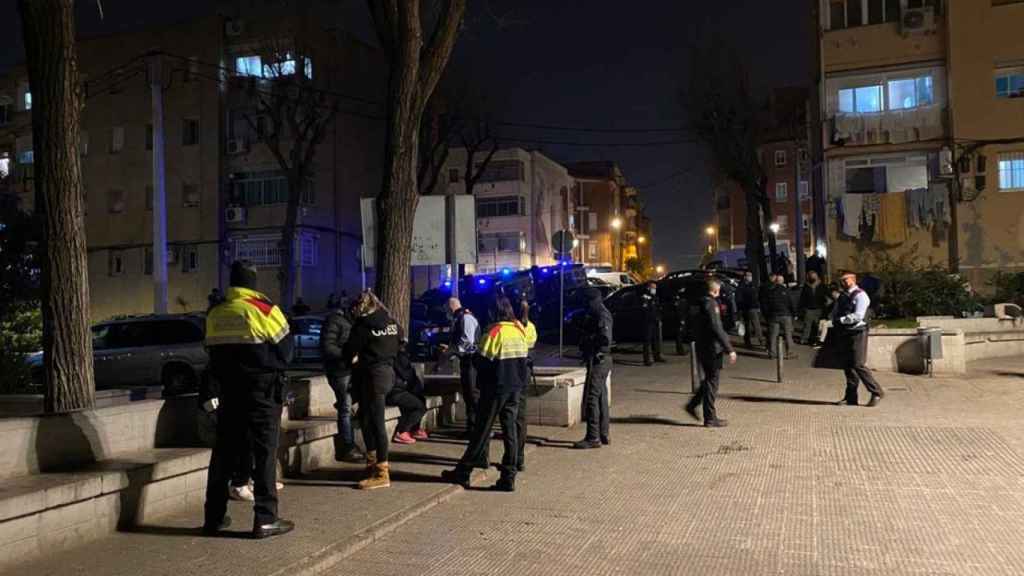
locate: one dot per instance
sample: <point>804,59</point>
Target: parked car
<point>305,331</point>
<point>617,279</point>
<point>165,350</point>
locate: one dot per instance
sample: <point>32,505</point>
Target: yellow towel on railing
<point>892,218</point>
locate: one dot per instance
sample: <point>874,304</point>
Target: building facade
<point>607,215</point>
<point>225,192</point>
<point>922,131</point>
<point>522,198</point>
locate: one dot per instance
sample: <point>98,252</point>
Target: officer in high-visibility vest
<point>249,346</point>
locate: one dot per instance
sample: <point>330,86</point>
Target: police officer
<point>712,342</point>
<point>595,344</point>
<point>465,333</point>
<point>249,347</point>
<point>652,323</point>
<point>850,321</point>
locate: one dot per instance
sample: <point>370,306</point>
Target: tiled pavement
<point>929,482</point>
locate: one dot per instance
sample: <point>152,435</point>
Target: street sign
<point>561,241</point>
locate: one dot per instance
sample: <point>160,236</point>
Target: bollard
<point>778,359</point>
<point>694,368</point>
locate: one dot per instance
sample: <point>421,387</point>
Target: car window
<point>175,332</point>
<point>629,298</point>
<point>103,337</point>
<point>137,334</point>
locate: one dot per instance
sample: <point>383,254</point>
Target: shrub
<point>1008,287</point>
<point>21,333</point>
<point>909,289</point>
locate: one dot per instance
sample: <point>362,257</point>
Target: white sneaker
<point>243,493</point>
<point>280,486</point>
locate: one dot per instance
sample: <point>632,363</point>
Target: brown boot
<point>381,478</point>
<point>371,462</point>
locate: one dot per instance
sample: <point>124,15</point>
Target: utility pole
<point>453,256</point>
<point>159,193</point>
<point>798,222</point>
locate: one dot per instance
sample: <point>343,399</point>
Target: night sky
<point>594,64</point>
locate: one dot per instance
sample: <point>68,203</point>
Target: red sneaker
<point>403,438</point>
<point>420,434</point>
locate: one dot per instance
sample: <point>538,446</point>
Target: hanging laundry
<point>918,212</point>
<point>938,193</point>
<point>852,211</point>
<point>892,219</point>
<point>872,206</point>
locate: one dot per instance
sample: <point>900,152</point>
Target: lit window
<point>862,100</point>
<point>248,66</point>
<point>911,93</point>
<point>28,100</point>
<point>1011,171</point>
<point>781,191</point>
<point>1010,83</point>
<point>5,164</point>
<point>286,67</point>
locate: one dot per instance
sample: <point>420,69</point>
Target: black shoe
<point>352,456</point>
<point>275,528</point>
<point>504,486</point>
<point>456,477</point>
<point>660,360</point>
<point>846,402</point>
<point>692,411</point>
<point>586,445</point>
<point>521,467</point>
<point>214,529</point>
<point>716,423</point>
<point>875,399</point>
<point>606,441</point>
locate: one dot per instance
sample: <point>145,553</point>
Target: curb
<point>333,554</point>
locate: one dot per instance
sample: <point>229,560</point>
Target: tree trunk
<point>755,238</point>
<point>49,31</point>
<point>289,265</point>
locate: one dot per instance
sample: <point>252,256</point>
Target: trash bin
<point>931,342</point>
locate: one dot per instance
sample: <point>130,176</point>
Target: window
<point>309,250</point>
<point>781,191</point>
<point>248,65</point>
<point>909,93</point>
<point>190,262</point>
<point>805,190</point>
<point>502,242</point>
<point>263,252</point>
<point>147,261</point>
<point>116,139</point>
<point>592,221</point>
<point>177,332</point>
<point>190,195</point>
<point>805,220</point>
<point>115,263</point>
<point>5,164</point>
<point>453,175</point>
<point>286,67</point>
<point>502,171</point>
<point>783,221</point>
<point>850,13</point>
<point>115,201</point>
<point>189,132</point>
<point>780,157</point>
<point>862,100</point>
<point>499,206</point>
<point>1010,83</point>
<point>592,250</point>
<point>265,188</point>
<point>1011,171</point>
<point>26,99</point>
<point>149,198</point>
<point>149,136</point>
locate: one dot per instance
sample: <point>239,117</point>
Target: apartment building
<point>922,132</point>
<point>607,215</point>
<point>522,198</point>
<point>225,192</point>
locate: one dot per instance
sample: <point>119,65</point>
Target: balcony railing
<point>890,127</point>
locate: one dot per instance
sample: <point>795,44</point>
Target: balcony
<point>889,127</point>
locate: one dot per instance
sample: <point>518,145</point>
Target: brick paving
<point>929,482</point>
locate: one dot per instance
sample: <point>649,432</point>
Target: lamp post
<point>617,249</point>
<point>774,229</point>
<point>712,239</point>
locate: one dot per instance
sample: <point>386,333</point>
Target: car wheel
<point>178,380</point>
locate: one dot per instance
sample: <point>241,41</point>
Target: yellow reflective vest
<point>247,332</point>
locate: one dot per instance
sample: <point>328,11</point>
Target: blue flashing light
<point>447,283</point>
<point>482,281</point>
<point>565,262</point>
<point>505,271</point>
<point>546,270</point>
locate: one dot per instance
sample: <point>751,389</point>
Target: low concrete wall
<point>900,350</point>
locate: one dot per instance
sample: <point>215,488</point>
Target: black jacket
<point>597,331</point>
<point>747,297</point>
<point>406,379</point>
<point>778,303</point>
<point>649,304</point>
<point>813,297</point>
<point>709,333</point>
<point>335,334</point>
<point>374,340</point>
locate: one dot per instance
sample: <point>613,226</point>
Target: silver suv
<point>153,350</point>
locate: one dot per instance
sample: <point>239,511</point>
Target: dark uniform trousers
<point>855,353</point>
<point>249,414</point>
<point>595,398</point>
<point>652,340</point>
<point>501,405</point>
<point>752,322</point>
<point>470,392</point>
<point>521,432</point>
<point>711,365</point>
<point>376,382</point>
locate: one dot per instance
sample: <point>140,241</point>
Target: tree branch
<point>438,49</point>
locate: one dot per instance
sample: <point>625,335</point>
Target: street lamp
<point>659,269</point>
<point>710,231</point>
<point>641,240</point>
<point>616,223</point>
<point>774,227</point>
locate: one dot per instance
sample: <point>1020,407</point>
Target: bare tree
<point>290,116</point>
<point>419,43</point>
<point>726,118</point>
<point>49,32</point>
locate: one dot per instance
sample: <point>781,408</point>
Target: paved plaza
<point>929,482</point>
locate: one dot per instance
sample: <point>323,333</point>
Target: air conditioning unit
<point>237,146</point>
<point>234,27</point>
<point>917,20</point>
<point>235,215</point>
